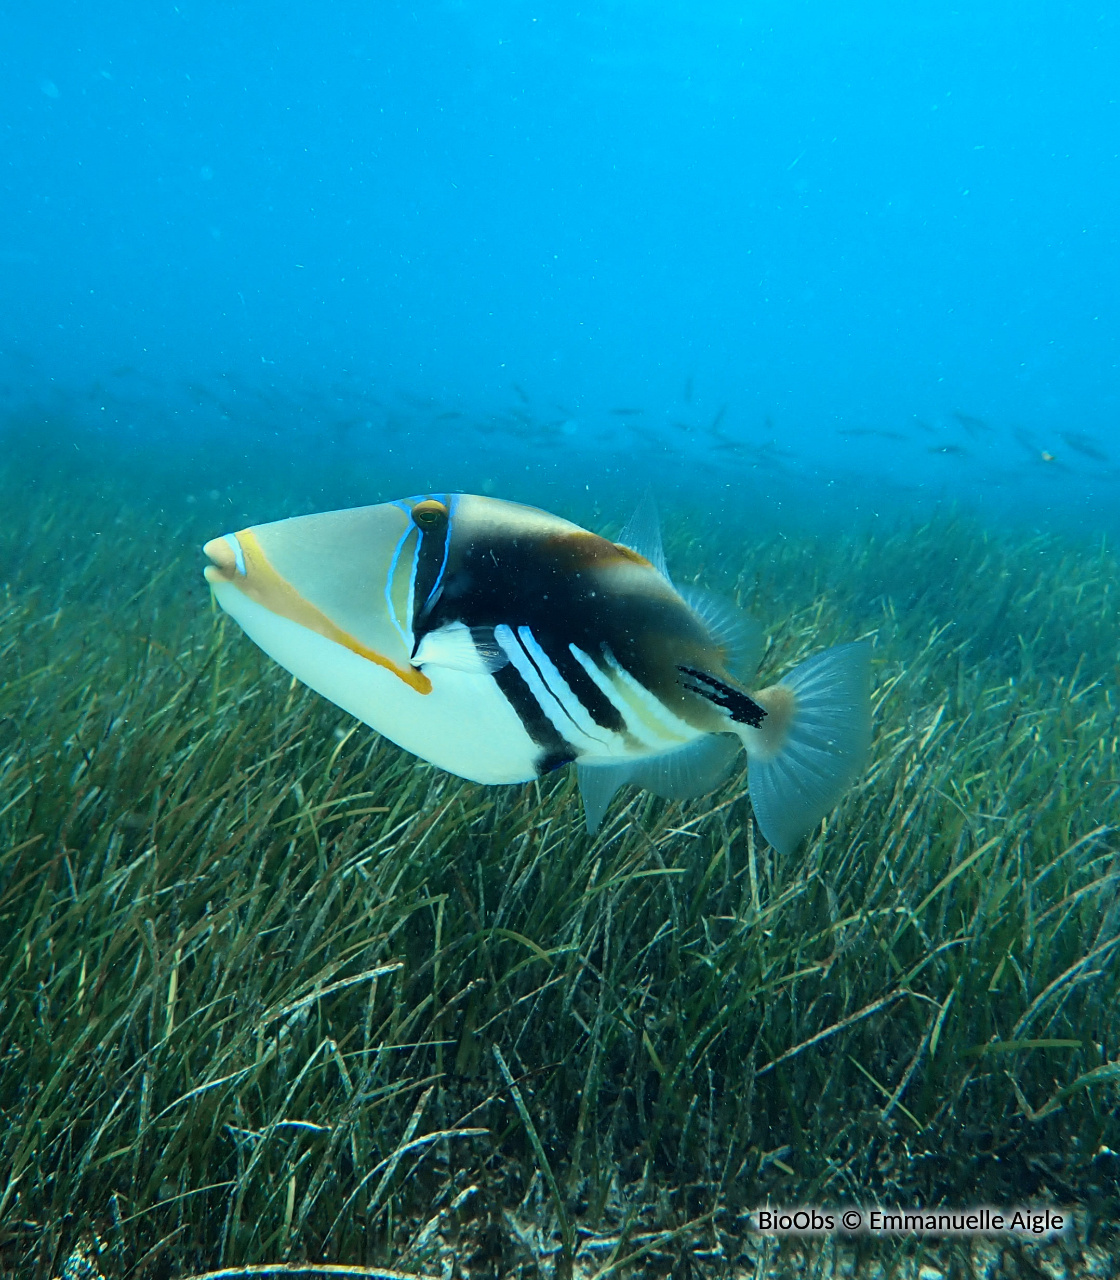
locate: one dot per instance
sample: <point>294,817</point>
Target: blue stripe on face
<point>238,554</point>
<point>406,631</point>
<point>405,634</point>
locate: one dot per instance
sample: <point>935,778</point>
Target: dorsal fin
<point>737,634</point>
<point>643,534</point>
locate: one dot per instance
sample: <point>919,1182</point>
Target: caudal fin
<point>813,743</point>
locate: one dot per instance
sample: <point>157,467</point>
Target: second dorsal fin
<point>738,636</point>
<point>643,534</point>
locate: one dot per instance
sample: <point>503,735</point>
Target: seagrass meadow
<point>273,992</point>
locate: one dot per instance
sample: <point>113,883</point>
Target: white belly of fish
<point>464,725</point>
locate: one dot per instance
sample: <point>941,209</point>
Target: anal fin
<point>597,785</point>
<point>691,770</point>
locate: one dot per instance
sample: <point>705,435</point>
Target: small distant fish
<point>688,389</point>
<point>415,401</point>
<point>626,413</point>
<point>950,450</point>
<point>499,642</point>
<point>871,431</point>
<point>1037,452</point>
<point>1085,445</point>
<point>974,426</point>
<point>1026,440</point>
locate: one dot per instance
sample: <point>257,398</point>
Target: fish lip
<point>223,563</point>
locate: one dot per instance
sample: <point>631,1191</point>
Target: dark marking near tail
<point>741,708</point>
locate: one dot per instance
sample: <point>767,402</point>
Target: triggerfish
<point>499,642</point>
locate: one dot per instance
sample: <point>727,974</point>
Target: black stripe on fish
<point>559,698</point>
<point>586,692</point>
<point>555,749</point>
<point>431,562</point>
<point>741,708</point>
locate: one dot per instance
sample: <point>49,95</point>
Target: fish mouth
<point>225,561</point>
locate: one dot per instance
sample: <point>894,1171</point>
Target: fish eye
<point>429,514</point>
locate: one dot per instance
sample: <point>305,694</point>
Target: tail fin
<point>813,743</point>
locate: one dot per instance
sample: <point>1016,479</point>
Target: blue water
<point>812,252</point>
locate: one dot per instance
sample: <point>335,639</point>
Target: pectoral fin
<point>461,648</point>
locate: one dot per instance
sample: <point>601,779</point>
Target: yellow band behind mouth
<point>263,584</point>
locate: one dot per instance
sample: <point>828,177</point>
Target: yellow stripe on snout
<point>263,584</point>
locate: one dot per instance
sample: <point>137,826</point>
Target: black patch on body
<point>559,587</point>
<point>743,710</point>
